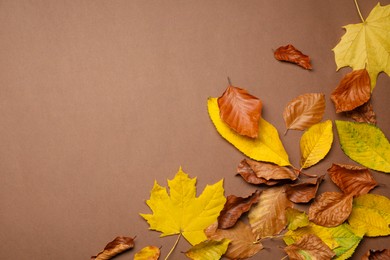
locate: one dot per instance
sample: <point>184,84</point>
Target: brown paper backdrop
<point>99,98</point>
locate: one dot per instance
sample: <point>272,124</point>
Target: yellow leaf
<point>266,147</point>
<point>209,249</point>
<point>181,212</point>
<point>367,44</point>
<point>316,143</point>
<point>296,219</point>
<point>371,215</point>
<point>148,253</point>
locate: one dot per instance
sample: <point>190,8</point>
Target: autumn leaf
<point>367,44</point>
<point>148,253</point>
<point>208,249</point>
<point>268,216</point>
<point>243,243</point>
<point>115,247</point>
<point>371,215</point>
<point>304,111</point>
<point>296,219</point>
<point>234,208</point>
<point>181,212</point>
<point>383,254</point>
<point>291,54</point>
<point>316,143</point>
<point>353,180</point>
<point>330,209</point>
<point>363,114</point>
<point>304,191</point>
<point>267,147</point>
<point>365,144</point>
<point>353,91</point>
<point>309,247</point>
<point>240,110</point>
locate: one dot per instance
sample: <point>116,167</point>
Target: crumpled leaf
<point>353,91</point>
<point>366,44</point>
<point>240,111</point>
<point>267,147</point>
<point>208,249</point>
<point>181,211</point>
<point>243,243</point>
<point>330,209</point>
<point>148,253</point>
<point>304,111</point>
<point>352,180</point>
<point>115,247</point>
<point>234,208</point>
<point>365,144</point>
<point>383,254</point>
<point>309,247</point>
<point>363,114</point>
<point>268,216</point>
<point>371,215</point>
<point>264,173</point>
<point>296,219</point>
<point>305,191</point>
<point>291,54</point>
<point>315,143</point>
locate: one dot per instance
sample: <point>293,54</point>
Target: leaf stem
<point>229,81</point>
<point>174,246</point>
<point>358,9</point>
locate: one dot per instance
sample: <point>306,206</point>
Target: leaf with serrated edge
<point>309,247</point>
<point>208,249</point>
<point>365,144</point>
<point>148,253</point>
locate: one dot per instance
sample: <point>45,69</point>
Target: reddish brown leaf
<point>115,247</point>
<point>240,111</point>
<point>377,255</point>
<point>234,208</point>
<point>313,247</point>
<point>352,180</point>
<point>291,54</point>
<point>330,209</point>
<point>305,191</point>
<point>353,91</point>
<point>363,114</point>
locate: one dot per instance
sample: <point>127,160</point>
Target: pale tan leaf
<point>309,247</point>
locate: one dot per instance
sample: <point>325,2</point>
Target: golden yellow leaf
<point>148,253</point>
<point>181,211</point>
<point>316,143</point>
<point>296,219</point>
<point>208,249</point>
<point>367,44</point>
<point>266,147</point>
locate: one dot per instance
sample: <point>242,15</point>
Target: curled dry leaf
<point>241,111</point>
<point>353,91</point>
<point>352,180</point>
<point>330,209</point>
<point>305,191</point>
<point>243,243</point>
<point>377,255</point>
<point>309,247</point>
<point>291,54</point>
<point>304,111</point>
<point>115,247</point>
<point>148,253</point>
<point>363,114</point>
<point>234,208</point>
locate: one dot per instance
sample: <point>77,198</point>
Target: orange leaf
<point>291,54</point>
<point>363,114</point>
<point>305,191</point>
<point>313,248</point>
<point>115,247</point>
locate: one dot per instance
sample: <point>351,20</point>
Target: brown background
<point>99,98</point>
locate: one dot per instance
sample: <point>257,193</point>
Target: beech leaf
<point>181,211</point>
<point>309,247</point>
<point>363,114</point>
<point>243,243</point>
<point>267,147</point>
<point>365,144</point>
<point>353,91</point>
<point>291,54</point>
<point>148,253</point>
<point>304,111</point>
<point>115,247</point>
<point>208,249</point>
<point>383,254</point>
<point>234,208</point>
<point>316,143</point>
<point>240,110</point>
<point>330,209</point>
<point>296,219</point>
<point>305,191</point>
<point>353,180</point>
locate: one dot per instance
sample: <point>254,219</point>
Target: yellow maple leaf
<point>367,44</point>
<point>182,212</point>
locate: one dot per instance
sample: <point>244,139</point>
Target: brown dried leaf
<point>240,111</point>
<point>243,243</point>
<point>304,111</point>
<point>352,180</point>
<point>291,54</point>
<point>330,209</point>
<point>353,91</point>
<point>305,191</point>
<point>377,255</point>
<point>312,246</point>
<point>363,114</point>
<point>234,208</point>
<point>115,247</point>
